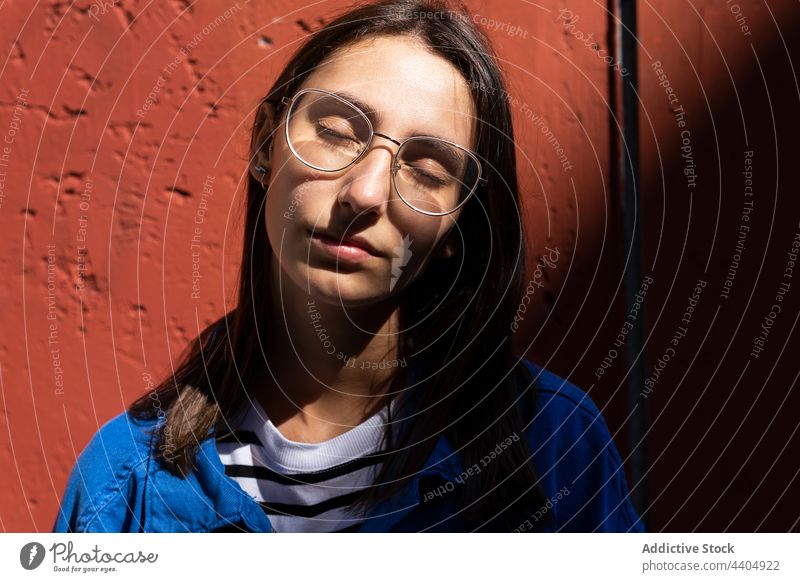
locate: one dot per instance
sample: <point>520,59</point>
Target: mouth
<point>352,249</point>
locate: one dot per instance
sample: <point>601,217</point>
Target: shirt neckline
<point>286,455</point>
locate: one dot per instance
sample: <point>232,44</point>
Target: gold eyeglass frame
<point>290,101</point>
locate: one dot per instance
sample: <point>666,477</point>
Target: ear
<point>261,155</point>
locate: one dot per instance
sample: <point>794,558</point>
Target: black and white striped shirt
<point>303,487</point>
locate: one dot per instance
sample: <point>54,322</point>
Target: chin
<point>344,289</point>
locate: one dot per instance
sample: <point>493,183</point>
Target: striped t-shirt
<point>303,487</point>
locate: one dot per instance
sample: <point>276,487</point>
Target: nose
<point>369,181</point>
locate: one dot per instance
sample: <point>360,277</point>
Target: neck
<point>329,365</point>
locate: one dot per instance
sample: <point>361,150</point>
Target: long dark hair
<point>469,385</point>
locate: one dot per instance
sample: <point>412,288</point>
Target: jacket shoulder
<point>576,458</point>
<point>559,399</point>
<point>105,487</point>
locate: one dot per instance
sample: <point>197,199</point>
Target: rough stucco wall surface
<point>126,124</point>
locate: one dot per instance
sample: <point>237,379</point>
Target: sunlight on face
<point>414,92</point>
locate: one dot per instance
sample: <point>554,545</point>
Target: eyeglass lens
<point>328,133</point>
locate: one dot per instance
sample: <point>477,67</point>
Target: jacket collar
<point>203,501</point>
<point>442,463</point>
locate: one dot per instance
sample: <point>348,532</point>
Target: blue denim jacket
<point>117,485</point>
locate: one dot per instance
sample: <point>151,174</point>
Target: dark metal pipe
<point>622,28</point>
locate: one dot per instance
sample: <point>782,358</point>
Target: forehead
<point>413,90</point>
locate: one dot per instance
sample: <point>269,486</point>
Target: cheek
<point>418,232</point>
<point>289,206</point>
<point>285,206</point>
<point>289,188</point>
<point>414,252</point>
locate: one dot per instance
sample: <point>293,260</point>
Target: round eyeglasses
<point>328,133</point>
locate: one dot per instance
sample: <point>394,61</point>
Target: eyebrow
<point>375,116</point>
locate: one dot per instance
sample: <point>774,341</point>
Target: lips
<point>331,239</point>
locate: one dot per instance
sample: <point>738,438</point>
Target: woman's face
<point>415,92</point>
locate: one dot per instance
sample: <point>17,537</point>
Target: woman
<point>366,380</point>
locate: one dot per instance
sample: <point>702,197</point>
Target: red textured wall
<point>110,199</point>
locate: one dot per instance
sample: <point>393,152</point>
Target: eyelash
<point>339,137</point>
<point>435,181</point>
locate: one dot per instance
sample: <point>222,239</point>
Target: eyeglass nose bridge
<point>395,164</point>
<point>383,135</point>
